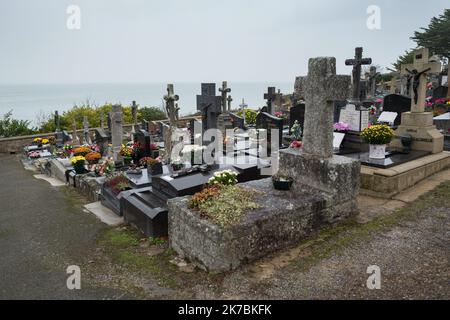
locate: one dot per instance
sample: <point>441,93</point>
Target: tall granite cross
<point>134,109</point>
<point>270,97</point>
<point>57,122</point>
<point>322,86</point>
<point>116,130</point>
<point>243,106</point>
<point>224,91</point>
<point>210,106</point>
<point>172,112</point>
<point>372,83</point>
<point>357,62</point>
<point>418,78</point>
<point>86,137</point>
<point>75,139</point>
<point>229,100</point>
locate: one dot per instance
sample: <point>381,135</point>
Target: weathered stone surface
<point>337,176</point>
<point>322,86</point>
<point>283,219</point>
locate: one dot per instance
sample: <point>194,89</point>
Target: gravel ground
<point>44,229</point>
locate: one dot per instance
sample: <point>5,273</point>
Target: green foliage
<point>406,58</point>
<point>228,206</point>
<point>250,115</point>
<point>10,127</point>
<point>436,36</point>
<point>385,77</point>
<point>94,113</point>
<point>151,114</point>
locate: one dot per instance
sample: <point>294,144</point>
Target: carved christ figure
<point>415,75</point>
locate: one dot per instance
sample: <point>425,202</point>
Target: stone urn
<point>377,151</point>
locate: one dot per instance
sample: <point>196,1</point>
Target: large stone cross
<point>171,105</point>
<point>418,78</point>
<point>86,137</point>
<point>229,100</point>
<point>372,83</point>
<point>243,106</point>
<point>270,96</point>
<point>116,130</point>
<point>322,86</point>
<point>57,122</point>
<point>134,109</point>
<point>224,91</point>
<point>357,62</point>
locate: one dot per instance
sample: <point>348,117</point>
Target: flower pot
<point>282,184</point>
<point>79,168</point>
<point>127,160</point>
<point>377,151</point>
<point>155,169</point>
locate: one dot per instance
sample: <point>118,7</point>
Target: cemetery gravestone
<point>224,91</point>
<point>396,103</point>
<point>358,120</point>
<point>417,122</point>
<point>116,117</point>
<point>210,106</point>
<point>357,62</point>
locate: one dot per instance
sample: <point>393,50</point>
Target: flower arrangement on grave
<point>377,136</point>
<point>224,205</point>
<point>177,165</point>
<point>93,157</point>
<point>341,127</point>
<point>143,162</point>
<point>296,130</point>
<point>107,167</point>
<point>154,166</point>
<point>67,150</point>
<point>95,148</point>
<point>280,115</point>
<point>154,149</point>
<point>296,144</point>
<point>34,155</point>
<point>127,153</point>
<point>224,177</point>
<point>82,151</point>
<point>78,163</point>
<point>118,183</point>
<point>372,110</point>
<point>437,106</point>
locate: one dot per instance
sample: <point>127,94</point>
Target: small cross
<point>322,87</point>
<point>357,62</point>
<point>243,106</point>
<point>270,97</point>
<point>229,100</point>
<point>224,91</point>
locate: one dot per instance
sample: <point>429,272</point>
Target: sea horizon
<point>33,102</point>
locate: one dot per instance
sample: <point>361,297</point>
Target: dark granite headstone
<point>397,103</point>
<point>338,106</point>
<point>101,139</point>
<point>237,121</point>
<point>268,122</point>
<point>142,137</point>
<point>440,92</point>
<point>210,106</point>
<point>297,113</point>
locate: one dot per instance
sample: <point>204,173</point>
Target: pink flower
<point>341,126</point>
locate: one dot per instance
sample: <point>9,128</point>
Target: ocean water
<point>33,102</point>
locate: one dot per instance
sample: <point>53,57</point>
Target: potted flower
<point>154,166</point>
<point>154,150</point>
<point>78,164</point>
<point>296,144</point>
<point>37,142</point>
<point>143,162</point>
<point>282,182</point>
<point>341,127</point>
<point>377,136</point>
<point>81,151</point>
<point>177,165</point>
<point>127,153</point>
<point>93,157</point>
<point>224,177</point>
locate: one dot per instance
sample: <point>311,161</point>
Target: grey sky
<point>196,40</point>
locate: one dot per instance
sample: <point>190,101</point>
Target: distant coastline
<point>33,101</point>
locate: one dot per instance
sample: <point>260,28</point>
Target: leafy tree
<point>12,127</point>
<point>406,58</point>
<point>151,114</point>
<point>436,37</point>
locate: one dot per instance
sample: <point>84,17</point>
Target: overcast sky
<point>197,40</point>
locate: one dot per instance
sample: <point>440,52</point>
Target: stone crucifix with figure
<point>357,62</point>
<point>417,123</point>
<point>172,113</point>
<point>270,96</point>
<point>224,91</point>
